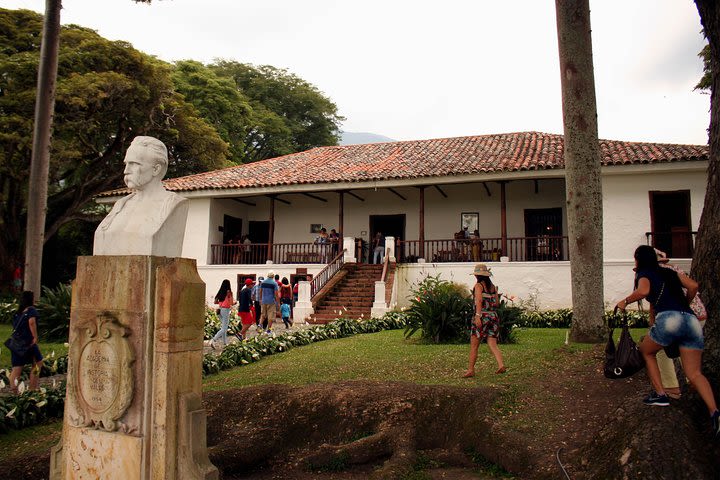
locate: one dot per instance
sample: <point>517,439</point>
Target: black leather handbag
<point>625,359</point>
<point>17,345</point>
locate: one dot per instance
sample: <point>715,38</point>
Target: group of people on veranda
<point>258,303</point>
<point>672,296</point>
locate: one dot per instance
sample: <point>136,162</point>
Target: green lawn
<point>388,356</point>
<point>384,356</point>
<point>45,347</point>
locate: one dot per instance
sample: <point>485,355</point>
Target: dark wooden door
<point>543,229</point>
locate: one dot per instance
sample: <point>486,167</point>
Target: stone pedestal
<point>303,307</point>
<point>134,382</point>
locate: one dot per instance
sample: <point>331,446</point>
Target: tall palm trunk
<point>706,259</point>
<point>40,163</point>
<point>582,169</point>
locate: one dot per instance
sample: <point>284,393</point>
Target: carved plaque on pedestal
<point>101,386</point>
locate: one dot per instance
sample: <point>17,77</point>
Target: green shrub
<point>441,310</point>
<point>54,310</point>
<point>509,317</point>
<point>7,310</point>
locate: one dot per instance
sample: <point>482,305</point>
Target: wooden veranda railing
<point>324,276</point>
<point>257,253</point>
<point>520,249</point>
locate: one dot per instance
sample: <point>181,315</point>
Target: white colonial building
<point>508,187</point>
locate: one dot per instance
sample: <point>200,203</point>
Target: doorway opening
<point>544,234</point>
<point>389,226</point>
<point>670,223</point>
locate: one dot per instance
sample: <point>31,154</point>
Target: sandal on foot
<point>501,370</point>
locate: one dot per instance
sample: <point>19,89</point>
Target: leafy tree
<point>107,93</point>
<point>218,101</point>
<point>705,82</point>
<point>288,114</point>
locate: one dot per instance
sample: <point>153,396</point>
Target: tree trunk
<point>706,260</point>
<point>582,169</point>
<point>40,163</point>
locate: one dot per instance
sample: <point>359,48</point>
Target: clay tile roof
<point>458,156</point>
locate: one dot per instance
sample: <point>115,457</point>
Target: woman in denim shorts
<point>674,322</point>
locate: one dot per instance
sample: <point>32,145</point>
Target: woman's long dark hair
<point>646,259</point>
<point>27,299</point>
<point>488,285</point>
<point>224,289</point>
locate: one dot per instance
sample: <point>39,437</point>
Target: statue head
<point>146,161</point>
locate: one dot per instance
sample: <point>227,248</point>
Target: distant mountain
<point>356,138</point>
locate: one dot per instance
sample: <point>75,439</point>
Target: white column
<point>349,246</point>
<point>390,244</point>
<point>379,307</point>
<point>303,307</point>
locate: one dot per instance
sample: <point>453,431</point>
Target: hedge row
<point>30,408</point>
<point>33,407</point>
<point>562,318</point>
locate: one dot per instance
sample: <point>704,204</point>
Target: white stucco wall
<point>548,282</point>
<point>196,243</point>
<point>626,206</point>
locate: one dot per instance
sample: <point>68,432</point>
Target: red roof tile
<point>458,156</point>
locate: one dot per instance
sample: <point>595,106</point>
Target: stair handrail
<point>324,276</point>
<point>385,265</point>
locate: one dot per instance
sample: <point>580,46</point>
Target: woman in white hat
<point>485,323</point>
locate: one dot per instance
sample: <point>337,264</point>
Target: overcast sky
<point>415,69</point>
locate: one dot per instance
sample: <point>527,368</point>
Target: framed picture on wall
<point>471,220</point>
<point>315,227</point>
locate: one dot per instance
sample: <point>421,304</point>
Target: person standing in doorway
<point>379,248</point>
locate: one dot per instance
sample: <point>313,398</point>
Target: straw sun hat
<point>482,269</point>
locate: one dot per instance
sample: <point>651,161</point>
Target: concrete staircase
<point>354,292</point>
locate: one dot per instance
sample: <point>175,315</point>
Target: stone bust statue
<point>151,220</point>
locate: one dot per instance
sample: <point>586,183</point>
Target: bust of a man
<point>151,220</point>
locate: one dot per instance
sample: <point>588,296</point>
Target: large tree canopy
<point>288,114</point>
<point>107,93</point>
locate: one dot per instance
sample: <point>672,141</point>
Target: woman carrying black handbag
<point>25,326</point>
<point>674,322</point>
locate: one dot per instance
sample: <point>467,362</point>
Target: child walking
<point>285,314</point>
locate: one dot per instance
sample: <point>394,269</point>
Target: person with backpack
<point>25,323</point>
<point>244,308</point>
<point>674,322</point>
<point>485,322</point>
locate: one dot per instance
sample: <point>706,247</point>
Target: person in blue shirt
<point>269,297</point>
<point>285,314</point>
<point>25,323</point>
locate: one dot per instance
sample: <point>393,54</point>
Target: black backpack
<point>625,359</point>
